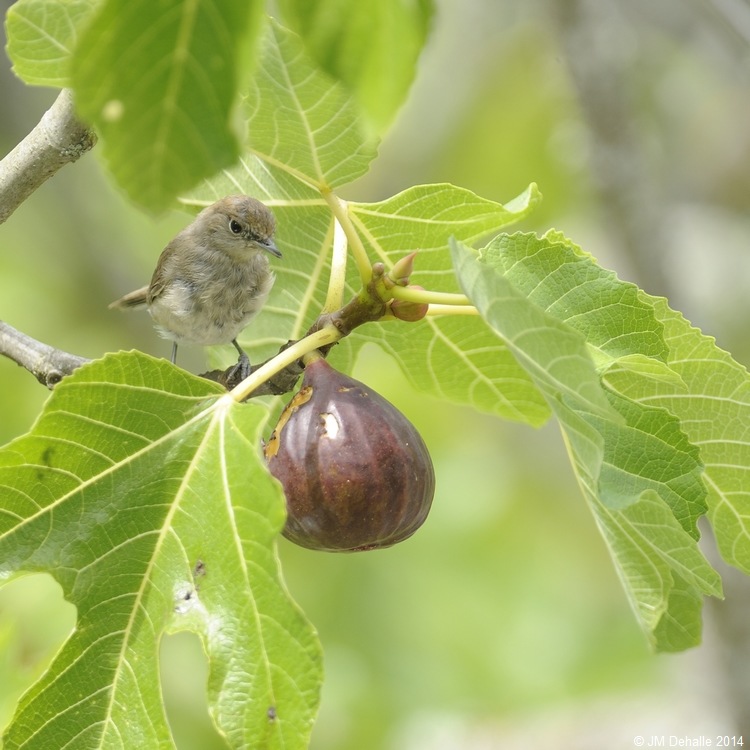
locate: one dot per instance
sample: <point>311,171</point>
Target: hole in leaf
<point>35,621</point>
<point>184,675</point>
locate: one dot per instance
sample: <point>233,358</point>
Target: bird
<point>212,278</point>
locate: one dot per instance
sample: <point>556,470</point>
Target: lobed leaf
<point>422,217</point>
<point>142,490</point>
<point>560,315</point>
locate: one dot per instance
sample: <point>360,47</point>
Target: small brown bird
<point>213,277</point>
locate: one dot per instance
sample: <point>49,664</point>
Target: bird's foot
<point>240,371</point>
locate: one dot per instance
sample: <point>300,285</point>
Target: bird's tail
<point>133,299</point>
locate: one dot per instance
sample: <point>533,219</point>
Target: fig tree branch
<point>58,139</point>
<point>46,363</point>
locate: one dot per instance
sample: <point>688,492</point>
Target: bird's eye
<point>235,226</point>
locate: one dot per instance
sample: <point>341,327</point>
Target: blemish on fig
<point>300,398</point>
<point>330,424</point>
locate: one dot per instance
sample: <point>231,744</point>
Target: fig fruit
<point>409,311</point>
<point>356,473</point>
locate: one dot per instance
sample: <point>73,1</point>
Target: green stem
<point>431,298</point>
<point>452,310</point>
<point>337,280</point>
<point>340,211</point>
<point>323,337</point>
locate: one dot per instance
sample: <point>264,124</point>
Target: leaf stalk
<point>341,212</point>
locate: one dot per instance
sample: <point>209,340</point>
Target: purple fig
<point>356,473</point>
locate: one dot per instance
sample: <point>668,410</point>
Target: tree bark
<point>46,363</point>
<point>59,139</point>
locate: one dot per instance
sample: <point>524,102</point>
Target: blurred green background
<point>502,623</point>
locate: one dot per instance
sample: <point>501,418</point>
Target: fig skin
<point>411,312</point>
<point>356,473</point>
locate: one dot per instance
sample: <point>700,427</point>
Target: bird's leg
<point>174,353</point>
<point>243,367</point>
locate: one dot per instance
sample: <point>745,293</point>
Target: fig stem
<point>340,210</point>
<point>326,336</point>
<point>431,298</point>
<point>311,357</point>
<point>452,310</point>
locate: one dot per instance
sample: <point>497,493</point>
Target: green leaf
<point>372,47</point>
<point>159,81</point>
<point>306,135</point>
<point>42,36</point>
<point>623,371</point>
<point>555,273</point>
<point>559,312</point>
<point>652,553</point>
<point>712,400</point>
<point>142,490</point>
<point>555,355</point>
<point>422,217</point>
<point>303,122</point>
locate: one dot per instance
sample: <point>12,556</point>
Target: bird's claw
<point>241,370</point>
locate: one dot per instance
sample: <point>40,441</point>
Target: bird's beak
<point>271,247</point>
